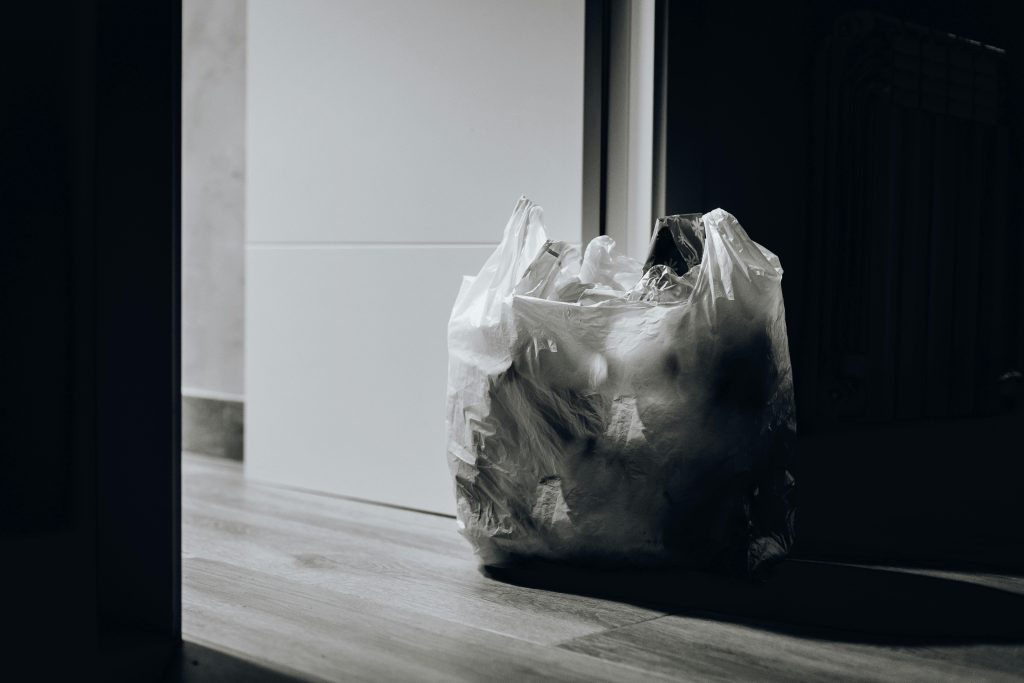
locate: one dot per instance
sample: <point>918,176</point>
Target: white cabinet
<point>387,142</point>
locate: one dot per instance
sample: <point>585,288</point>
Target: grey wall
<point>213,197</point>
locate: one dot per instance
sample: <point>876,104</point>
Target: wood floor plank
<point>338,636</point>
<point>1003,582</point>
<point>223,481</point>
<point>344,590</point>
<point>380,553</point>
<point>716,650</point>
<point>397,576</point>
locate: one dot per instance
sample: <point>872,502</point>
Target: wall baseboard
<point>212,426</point>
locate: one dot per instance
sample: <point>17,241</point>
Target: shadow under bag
<point>604,411</point>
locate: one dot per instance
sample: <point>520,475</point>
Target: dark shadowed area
<point>876,148</point>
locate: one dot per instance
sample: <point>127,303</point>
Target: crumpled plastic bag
<point>602,411</point>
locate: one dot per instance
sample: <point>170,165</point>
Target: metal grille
<point>916,300</point>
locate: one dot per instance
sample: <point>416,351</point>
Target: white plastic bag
<point>600,413</point>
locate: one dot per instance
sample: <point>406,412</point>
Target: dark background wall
<point>89,347</point>
<point>897,223</point>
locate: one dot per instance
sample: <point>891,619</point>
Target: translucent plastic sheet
<point>604,411</point>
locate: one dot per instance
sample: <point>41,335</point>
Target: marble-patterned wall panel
<point>213,195</point>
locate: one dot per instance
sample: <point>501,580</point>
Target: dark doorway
<point>90,279</point>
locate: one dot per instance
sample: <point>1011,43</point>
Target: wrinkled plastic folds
<point>602,411</point>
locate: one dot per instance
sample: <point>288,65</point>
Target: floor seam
<point>612,629</point>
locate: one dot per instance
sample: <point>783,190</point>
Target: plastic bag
<point>601,411</point>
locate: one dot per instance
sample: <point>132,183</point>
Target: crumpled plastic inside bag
<point>606,411</point>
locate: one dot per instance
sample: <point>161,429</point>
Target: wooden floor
<point>314,587</point>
